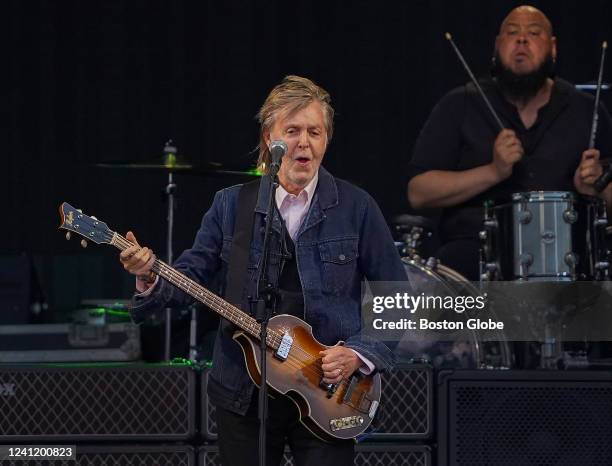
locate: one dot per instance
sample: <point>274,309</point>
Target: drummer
<point>462,159</point>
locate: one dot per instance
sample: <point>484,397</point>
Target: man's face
<point>524,41</point>
<point>306,138</point>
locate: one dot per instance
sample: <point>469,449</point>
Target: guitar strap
<point>241,242</point>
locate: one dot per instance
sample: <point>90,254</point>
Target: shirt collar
<point>308,191</point>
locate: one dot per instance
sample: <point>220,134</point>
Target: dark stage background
<point>95,81</point>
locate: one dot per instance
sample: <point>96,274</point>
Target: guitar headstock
<point>89,228</point>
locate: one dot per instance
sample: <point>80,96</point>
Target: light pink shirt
<point>293,208</point>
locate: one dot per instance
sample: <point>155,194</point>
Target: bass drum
<point>463,349</point>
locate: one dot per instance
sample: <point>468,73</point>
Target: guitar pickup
<point>349,390</point>
<point>284,347</point>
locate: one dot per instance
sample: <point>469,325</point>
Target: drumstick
<point>604,46</point>
<point>480,91</point>
<point>601,182</point>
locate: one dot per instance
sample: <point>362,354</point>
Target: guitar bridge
<point>284,347</point>
<point>347,422</point>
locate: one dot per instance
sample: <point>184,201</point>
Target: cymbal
<point>210,169</point>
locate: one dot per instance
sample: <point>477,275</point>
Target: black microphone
<point>278,148</point>
<point>601,182</point>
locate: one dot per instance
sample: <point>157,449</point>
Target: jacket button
<point>236,404</point>
<point>341,257</point>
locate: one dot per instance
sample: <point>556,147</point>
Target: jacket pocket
<point>226,249</point>
<point>339,264</point>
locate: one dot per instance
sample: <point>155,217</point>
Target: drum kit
<point>538,238</point>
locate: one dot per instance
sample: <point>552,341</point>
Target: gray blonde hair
<point>293,94</point>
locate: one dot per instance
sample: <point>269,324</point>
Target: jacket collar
<point>326,194</point>
<point>325,197</point>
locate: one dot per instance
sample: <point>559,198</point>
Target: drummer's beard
<point>522,87</point>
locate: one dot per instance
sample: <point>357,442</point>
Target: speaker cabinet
<point>525,418</point>
<point>96,402</point>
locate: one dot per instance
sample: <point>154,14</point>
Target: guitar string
<point>237,316</point>
<point>227,308</point>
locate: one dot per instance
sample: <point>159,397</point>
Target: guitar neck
<point>219,305</point>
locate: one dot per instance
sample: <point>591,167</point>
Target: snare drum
<point>466,349</point>
<point>545,235</point>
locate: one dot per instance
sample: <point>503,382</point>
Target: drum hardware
<point>526,260</point>
<point>491,223</point>
<point>570,216</point>
<point>414,235</point>
<point>411,239</point>
<point>551,350</point>
<point>545,235</point>
<point>575,360</point>
<point>601,222</point>
<point>525,216</point>
<point>489,269</point>
<point>570,260</point>
<point>602,265</point>
<point>432,263</point>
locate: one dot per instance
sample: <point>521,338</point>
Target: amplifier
<point>406,404</point>
<point>69,343</point>
<point>121,455</point>
<point>539,418</point>
<point>392,454</point>
<point>208,427</point>
<point>405,412</point>
<point>44,403</point>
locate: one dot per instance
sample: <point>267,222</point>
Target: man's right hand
<point>138,260</point>
<point>507,151</point>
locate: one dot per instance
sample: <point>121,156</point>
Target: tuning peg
<point>94,218</point>
<point>80,211</point>
<point>84,243</point>
<point>68,236</point>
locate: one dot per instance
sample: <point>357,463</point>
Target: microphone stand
<point>265,306</point>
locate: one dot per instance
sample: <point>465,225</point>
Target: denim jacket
<point>342,240</point>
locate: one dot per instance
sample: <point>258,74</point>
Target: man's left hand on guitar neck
<point>138,261</point>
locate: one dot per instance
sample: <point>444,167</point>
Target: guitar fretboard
<point>219,305</point>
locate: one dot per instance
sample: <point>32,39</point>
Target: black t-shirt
<point>461,131</point>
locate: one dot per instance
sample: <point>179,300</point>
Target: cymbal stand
<point>169,160</point>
